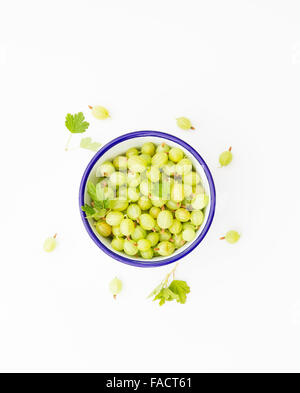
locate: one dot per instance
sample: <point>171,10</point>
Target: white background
<point>233,67</point>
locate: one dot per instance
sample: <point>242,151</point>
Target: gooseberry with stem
<point>115,287</point>
<point>50,244</point>
<point>184,123</point>
<point>226,157</point>
<point>99,112</point>
<point>231,237</point>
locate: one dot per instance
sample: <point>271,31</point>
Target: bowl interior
<point>121,148</point>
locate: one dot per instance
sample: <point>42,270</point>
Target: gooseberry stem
<point>115,297</point>
<point>55,236</point>
<point>172,272</point>
<point>68,142</point>
<point>90,106</point>
<point>192,128</point>
<point>230,148</point>
<point>222,238</point>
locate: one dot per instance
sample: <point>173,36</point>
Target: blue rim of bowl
<point>152,263</point>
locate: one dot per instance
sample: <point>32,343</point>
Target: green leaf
<point>96,213</point>
<point>98,205</point>
<point>166,295</point>
<point>87,143</point>
<point>89,211</point>
<point>169,294</point>
<point>99,214</point>
<point>156,290</point>
<point>91,189</point>
<point>181,289</point>
<point>104,204</point>
<point>161,296</point>
<point>76,123</point>
<point>162,301</point>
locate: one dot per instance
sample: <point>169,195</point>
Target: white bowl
<point>119,146</point>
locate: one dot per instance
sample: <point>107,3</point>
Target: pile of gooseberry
<point>154,201</point>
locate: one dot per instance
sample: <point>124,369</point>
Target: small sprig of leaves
<point>76,124</point>
<point>98,208</point>
<point>95,212</point>
<point>98,203</point>
<point>89,210</point>
<point>176,290</point>
<point>105,204</point>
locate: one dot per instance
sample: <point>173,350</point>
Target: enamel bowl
<point>119,146</point>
